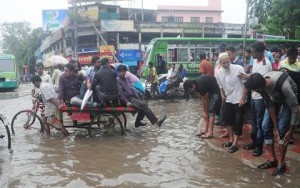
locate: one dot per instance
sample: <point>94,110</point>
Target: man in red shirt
<point>206,67</point>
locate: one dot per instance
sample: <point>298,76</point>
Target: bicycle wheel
<point>105,124</point>
<point>5,139</point>
<point>26,119</point>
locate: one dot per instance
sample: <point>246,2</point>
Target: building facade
<point>95,25</point>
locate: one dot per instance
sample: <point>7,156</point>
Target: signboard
<point>88,13</point>
<point>117,25</point>
<point>129,55</point>
<point>107,48</point>
<point>86,59</point>
<point>87,50</point>
<point>107,51</point>
<point>130,63</point>
<point>54,19</point>
<point>263,36</point>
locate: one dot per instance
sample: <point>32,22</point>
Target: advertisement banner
<point>86,59</point>
<point>129,55</point>
<point>108,48</point>
<point>89,14</point>
<point>54,19</point>
<point>117,25</point>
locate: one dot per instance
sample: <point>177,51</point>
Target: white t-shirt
<point>46,78</point>
<point>230,81</point>
<point>48,92</point>
<point>261,67</point>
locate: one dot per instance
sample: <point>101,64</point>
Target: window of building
<point>165,19</point>
<point>209,19</point>
<point>195,19</point>
<point>178,19</point>
<point>171,19</point>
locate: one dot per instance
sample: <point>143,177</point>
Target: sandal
<point>257,152</point>
<point>227,144</point>
<point>207,136</point>
<point>200,133</point>
<point>233,149</point>
<point>249,146</point>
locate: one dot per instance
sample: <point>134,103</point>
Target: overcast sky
<point>31,10</point>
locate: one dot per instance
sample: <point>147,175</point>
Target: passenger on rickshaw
<point>182,71</point>
<point>52,105</point>
<point>173,80</point>
<point>105,84</point>
<point>129,97</point>
<point>69,87</point>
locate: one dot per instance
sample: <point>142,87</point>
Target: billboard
<point>129,55</point>
<point>54,19</point>
<point>88,13</point>
<point>117,25</point>
<point>107,51</point>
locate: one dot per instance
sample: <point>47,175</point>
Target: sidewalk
<point>292,155</point>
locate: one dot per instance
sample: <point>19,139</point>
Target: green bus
<point>9,72</point>
<point>186,50</point>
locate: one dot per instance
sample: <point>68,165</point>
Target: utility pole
<point>75,30</point>
<point>142,10</point>
<point>245,29</point>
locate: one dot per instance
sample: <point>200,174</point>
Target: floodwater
<point>169,156</point>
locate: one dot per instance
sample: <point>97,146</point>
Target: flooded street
<point>170,156</point>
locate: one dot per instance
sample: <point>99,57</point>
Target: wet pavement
<point>292,155</point>
<point>169,156</point>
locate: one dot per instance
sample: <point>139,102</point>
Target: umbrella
<point>86,97</point>
<point>55,60</point>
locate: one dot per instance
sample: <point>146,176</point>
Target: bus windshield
<point>7,65</point>
<point>147,53</point>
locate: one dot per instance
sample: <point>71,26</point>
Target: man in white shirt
<point>261,65</point>
<point>233,94</point>
<point>51,103</point>
<point>46,78</point>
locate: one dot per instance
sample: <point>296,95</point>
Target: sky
<point>31,10</point>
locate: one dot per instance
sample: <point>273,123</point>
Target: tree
<point>259,9</point>
<point>276,17</point>
<point>284,18</point>
<point>18,39</point>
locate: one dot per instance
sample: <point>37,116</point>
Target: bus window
<point>172,55</point>
<point>198,51</point>
<point>183,55</point>
<point>7,65</point>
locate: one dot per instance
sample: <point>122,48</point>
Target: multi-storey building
<point>134,28</point>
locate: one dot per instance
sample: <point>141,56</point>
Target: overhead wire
<point>98,32</point>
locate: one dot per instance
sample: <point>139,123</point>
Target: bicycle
<point>5,139</point>
<point>29,118</point>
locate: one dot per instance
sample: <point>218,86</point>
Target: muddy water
<point>169,156</point>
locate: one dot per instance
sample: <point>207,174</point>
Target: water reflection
<point>149,156</point>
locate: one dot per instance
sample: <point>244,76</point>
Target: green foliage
<point>20,40</point>
<point>276,17</point>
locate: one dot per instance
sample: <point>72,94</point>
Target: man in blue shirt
<point>232,56</point>
<point>91,71</point>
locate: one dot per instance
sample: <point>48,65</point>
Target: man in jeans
<point>261,65</point>
<point>280,94</point>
